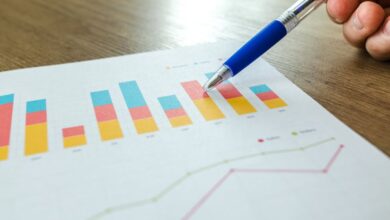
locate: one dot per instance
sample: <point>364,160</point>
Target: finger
<point>364,22</point>
<point>341,10</point>
<point>378,45</point>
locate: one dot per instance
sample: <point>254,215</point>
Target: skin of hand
<point>366,24</point>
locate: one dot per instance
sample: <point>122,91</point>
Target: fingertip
<point>378,45</point>
<point>364,22</point>
<point>340,10</point>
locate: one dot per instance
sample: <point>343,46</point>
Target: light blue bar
<point>100,98</point>
<point>36,106</point>
<point>5,99</point>
<point>260,89</point>
<point>209,75</point>
<point>132,95</point>
<point>169,102</point>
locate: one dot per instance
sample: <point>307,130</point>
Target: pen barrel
<point>258,45</point>
<point>297,12</point>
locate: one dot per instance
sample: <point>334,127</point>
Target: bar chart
<point>74,136</point>
<point>174,111</point>
<point>6,107</point>
<point>36,141</point>
<point>139,110</point>
<point>202,101</point>
<point>137,137</point>
<point>236,100</point>
<point>268,97</point>
<point>109,126</point>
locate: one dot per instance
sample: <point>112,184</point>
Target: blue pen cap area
<point>256,46</point>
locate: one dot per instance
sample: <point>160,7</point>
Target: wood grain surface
<point>345,80</point>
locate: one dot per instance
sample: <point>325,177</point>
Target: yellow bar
<point>275,103</point>
<point>36,139</point>
<point>75,141</point>
<point>208,109</point>
<point>145,125</point>
<point>180,121</point>
<point>3,152</point>
<point>110,130</point>
<point>241,105</point>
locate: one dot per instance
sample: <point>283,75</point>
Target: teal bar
<point>209,75</point>
<point>5,99</point>
<point>260,89</point>
<point>132,94</point>
<point>169,102</point>
<point>100,98</point>
<point>36,106</point>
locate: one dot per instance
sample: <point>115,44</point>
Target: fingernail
<point>356,22</point>
<point>387,27</point>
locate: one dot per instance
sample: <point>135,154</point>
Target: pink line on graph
<point>333,159</point>
<point>207,195</point>
<point>277,171</point>
<point>220,182</point>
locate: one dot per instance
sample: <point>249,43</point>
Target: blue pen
<point>263,41</point>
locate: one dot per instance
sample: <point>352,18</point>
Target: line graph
<point>168,189</point>
<point>220,182</point>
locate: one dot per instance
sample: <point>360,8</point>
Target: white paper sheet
<point>291,162</point>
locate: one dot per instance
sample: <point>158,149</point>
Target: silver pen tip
<point>222,74</point>
<point>213,82</point>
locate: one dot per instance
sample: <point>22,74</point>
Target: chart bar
<point>36,141</point>
<point>202,101</point>
<point>268,97</point>
<point>6,109</point>
<point>174,111</point>
<point>236,100</point>
<point>106,117</point>
<point>74,136</point>
<point>139,110</point>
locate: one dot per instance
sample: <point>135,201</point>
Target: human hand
<point>366,24</point>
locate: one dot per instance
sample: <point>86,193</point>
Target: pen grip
<point>256,46</point>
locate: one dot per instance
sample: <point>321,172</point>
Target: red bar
<point>5,123</point>
<point>73,131</point>
<point>105,113</point>
<point>267,96</point>
<point>228,91</point>
<point>175,112</point>
<point>194,90</point>
<point>36,118</point>
<point>140,112</point>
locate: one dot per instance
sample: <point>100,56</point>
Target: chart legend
<point>36,141</point>
<point>74,136</point>
<point>174,111</point>
<point>202,101</point>
<point>109,126</point>
<point>236,100</point>
<point>268,97</point>
<point>6,108</point>
<point>139,110</point>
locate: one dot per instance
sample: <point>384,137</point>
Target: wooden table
<point>345,80</point>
